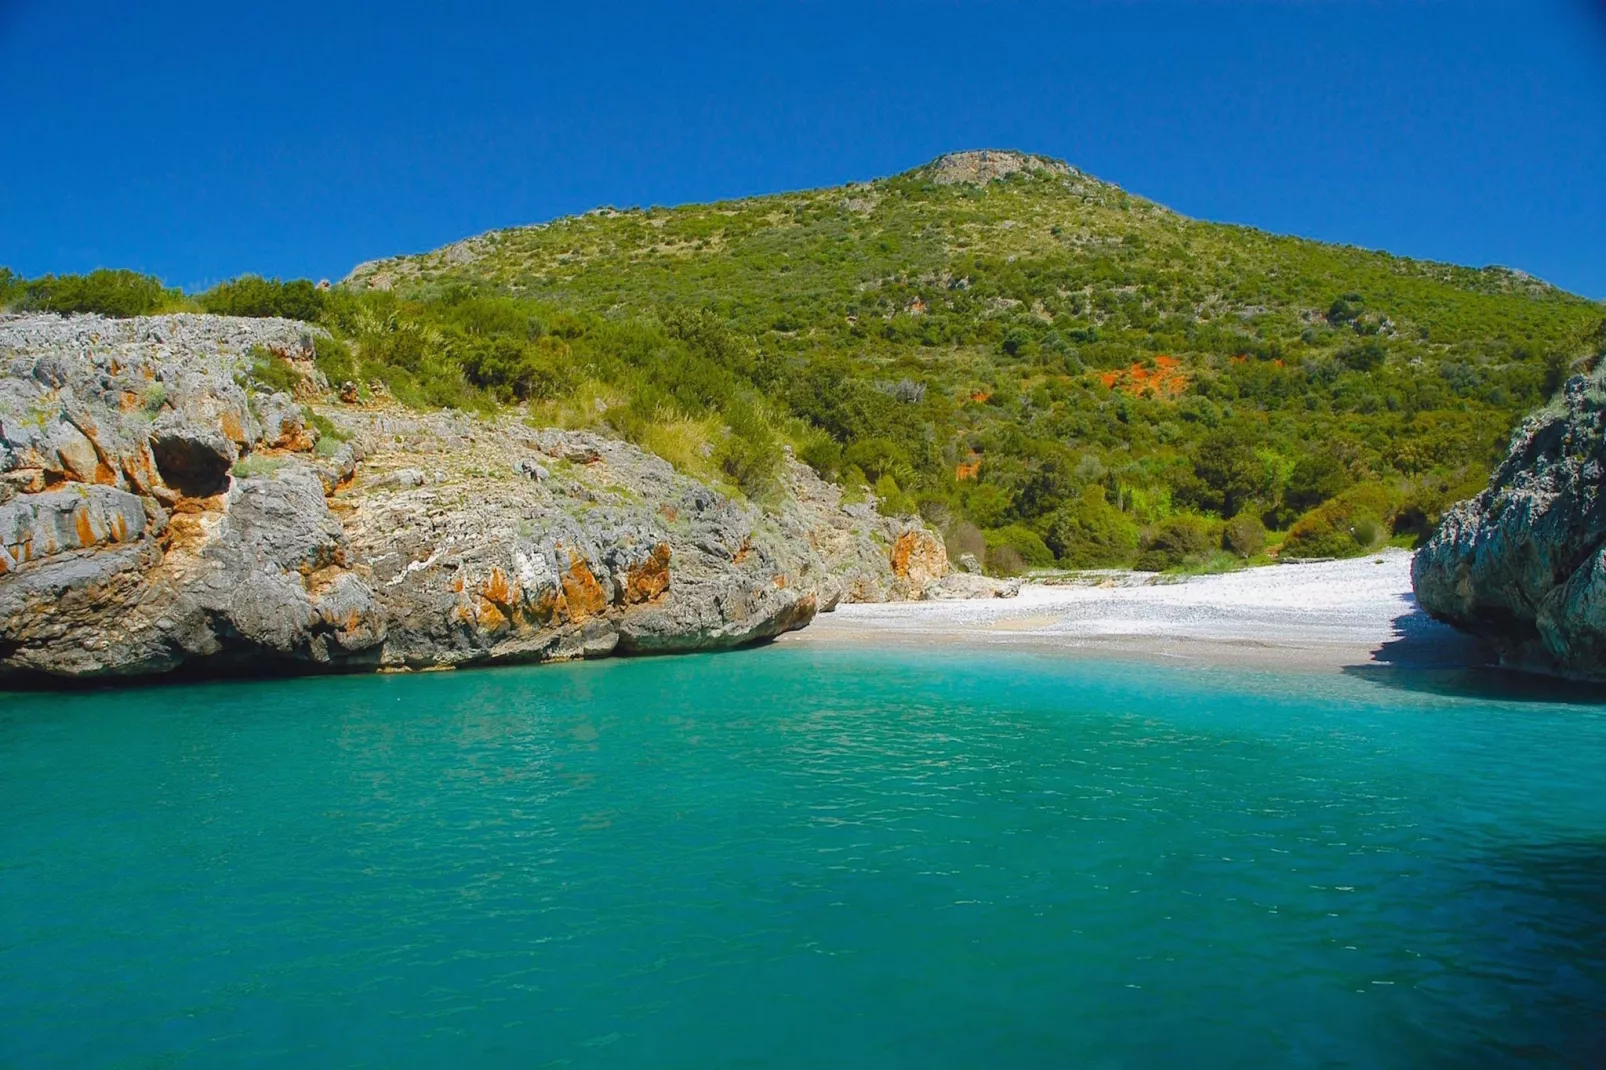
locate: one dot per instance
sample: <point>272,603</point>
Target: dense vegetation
<point>1051,370</point>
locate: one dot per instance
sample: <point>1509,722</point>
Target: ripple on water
<point>798,857</point>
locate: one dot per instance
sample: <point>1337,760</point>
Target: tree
<point>1231,474</point>
<point>1317,477</point>
<point>1368,356</point>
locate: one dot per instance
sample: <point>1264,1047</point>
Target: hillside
<point>1046,366</point>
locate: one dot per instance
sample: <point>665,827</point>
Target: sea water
<point>804,857</point>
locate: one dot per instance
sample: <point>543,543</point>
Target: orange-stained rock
<point>497,590</point>
<point>582,595</point>
<point>489,616</point>
<point>544,610</point>
<point>140,471</point>
<point>217,503</point>
<point>648,581</point>
<point>84,529</point>
<point>918,558</point>
<point>229,424</point>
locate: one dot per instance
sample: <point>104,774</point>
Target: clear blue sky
<point>198,141</point>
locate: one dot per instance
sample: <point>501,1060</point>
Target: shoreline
<point>1319,617</point>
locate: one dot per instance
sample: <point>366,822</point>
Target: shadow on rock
<point>1428,656</point>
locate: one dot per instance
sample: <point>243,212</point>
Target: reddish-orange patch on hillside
<point>980,396</point>
<point>968,469</point>
<point>1165,380</point>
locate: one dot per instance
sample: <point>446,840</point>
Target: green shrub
<point>1243,535</point>
<point>254,465</point>
<point>965,538</point>
<point>751,455</point>
<point>822,453</point>
<point>1176,541</point>
<point>327,431</point>
<point>1356,522</point>
<point>1091,533</point>
<point>891,498</point>
<point>516,370</point>
<point>1316,477</point>
<point>118,293</point>
<point>877,457</point>
<point>12,286</point>
<point>252,295</point>
<point>1022,543</point>
<point>333,358</point>
<point>273,371</point>
<point>1426,501</point>
<point>1365,357</point>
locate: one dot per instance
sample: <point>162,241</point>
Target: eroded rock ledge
<point>1523,565</point>
<point>159,511</point>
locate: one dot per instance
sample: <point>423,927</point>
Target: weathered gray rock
<point>161,509</point>
<point>958,586</point>
<point>1523,565</point>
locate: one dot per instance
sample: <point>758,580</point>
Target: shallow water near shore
<point>798,856</point>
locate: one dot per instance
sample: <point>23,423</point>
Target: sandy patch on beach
<point>1324,616</point>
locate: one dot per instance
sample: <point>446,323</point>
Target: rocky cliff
<point>161,508</point>
<point>1523,564</point>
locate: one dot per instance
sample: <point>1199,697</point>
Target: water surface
<point>803,857</point>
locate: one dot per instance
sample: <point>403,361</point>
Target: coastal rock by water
<point>1523,565</point>
<point>160,509</point>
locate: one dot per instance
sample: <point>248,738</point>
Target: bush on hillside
<point>252,295</point>
<point>1014,548</point>
<point>892,499</point>
<point>1356,522</point>
<point>1243,535</point>
<point>1175,541</point>
<point>120,294</point>
<point>965,538</point>
<point>822,453</point>
<point>1316,477</point>
<point>515,370</point>
<point>751,455</point>
<point>333,357</point>
<point>273,371</point>
<point>1089,532</point>
<point>1425,502</point>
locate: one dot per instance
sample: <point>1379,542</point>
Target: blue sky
<point>198,141</point>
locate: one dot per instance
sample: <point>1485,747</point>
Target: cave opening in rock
<point>193,467</point>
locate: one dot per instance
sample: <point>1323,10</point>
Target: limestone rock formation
<point>159,509</point>
<point>1523,565</point>
<point>981,166</point>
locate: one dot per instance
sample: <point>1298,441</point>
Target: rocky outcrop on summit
<point>1523,565</point>
<point>160,508</point>
<point>981,166</point>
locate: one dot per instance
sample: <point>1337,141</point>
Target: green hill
<point>1048,367</point>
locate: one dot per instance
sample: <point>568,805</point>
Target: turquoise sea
<point>805,857</point>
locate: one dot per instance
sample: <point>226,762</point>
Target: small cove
<point>802,856</point>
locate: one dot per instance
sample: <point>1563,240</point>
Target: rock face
<point>1523,565</point>
<point>981,166</point>
<point>159,509</point>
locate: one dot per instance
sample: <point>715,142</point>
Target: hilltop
<point>1050,369</point>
